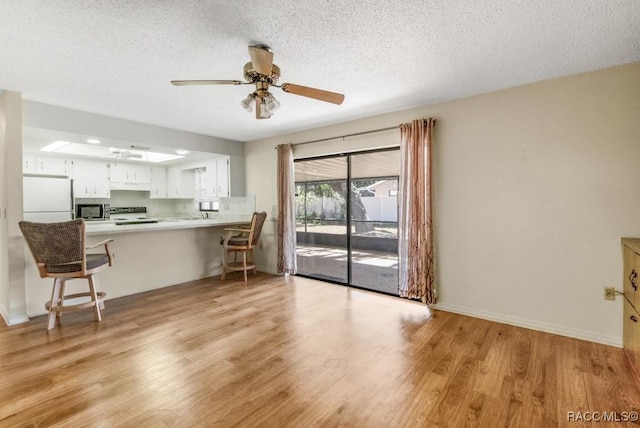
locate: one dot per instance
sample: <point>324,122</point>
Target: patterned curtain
<point>415,222</point>
<point>286,211</point>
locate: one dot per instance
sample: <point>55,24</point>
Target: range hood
<point>131,186</point>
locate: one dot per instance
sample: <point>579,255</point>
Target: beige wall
<point>535,185</point>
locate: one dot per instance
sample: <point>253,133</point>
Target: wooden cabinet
<point>158,182</point>
<point>91,179</point>
<point>631,325</point>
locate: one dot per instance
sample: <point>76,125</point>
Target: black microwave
<point>92,211</point>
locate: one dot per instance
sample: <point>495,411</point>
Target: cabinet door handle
<point>633,318</point>
<point>632,278</point>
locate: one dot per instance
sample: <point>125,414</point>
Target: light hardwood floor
<point>297,352</point>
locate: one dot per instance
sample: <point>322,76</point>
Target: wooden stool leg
<point>55,297</point>
<point>94,298</point>
<point>244,264</point>
<point>225,258</point>
<point>96,284</point>
<point>253,261</point>
<point>61,297</point>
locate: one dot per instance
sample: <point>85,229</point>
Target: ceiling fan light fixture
<point>265,113</point>
<point>263,73</point>
<point>271,103</point>
<point>247,103</point>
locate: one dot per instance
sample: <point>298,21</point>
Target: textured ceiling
<point>117,57</point>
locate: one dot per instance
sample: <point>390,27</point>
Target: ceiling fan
<point>262,72</point>
<point>124,154</point>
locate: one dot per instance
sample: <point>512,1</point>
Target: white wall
<point>4,241</point>
<point>46,116</point>
<point>12,249</point>
<point>142,261</point>
<point>535,186</point>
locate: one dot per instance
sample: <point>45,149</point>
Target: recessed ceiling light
<point>56,145</point>
<point>182,152</point>
<point>93,141</point>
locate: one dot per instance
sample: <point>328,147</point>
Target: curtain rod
<point>355,134</point>
<point>348,135</point>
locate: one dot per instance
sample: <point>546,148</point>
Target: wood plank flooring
<point>294,352</point>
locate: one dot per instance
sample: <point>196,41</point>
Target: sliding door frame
<point>348,220</point>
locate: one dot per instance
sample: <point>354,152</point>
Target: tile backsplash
<point>236,205</point>
<point>155,207</point>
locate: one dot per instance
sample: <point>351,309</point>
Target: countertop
<point>107,227</point>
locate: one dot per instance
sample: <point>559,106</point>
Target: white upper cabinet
<point>91,179</point>
<point>96,178</point>
<point>174,181</point>
<point>222,176</point>
<point>217,181</point>
<point>28,164</point>
<point>158,182</point>
<point>44,165</point>
<point>130,176</point>
<point>180,183</point>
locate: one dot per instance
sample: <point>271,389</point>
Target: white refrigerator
<point>47,199</point>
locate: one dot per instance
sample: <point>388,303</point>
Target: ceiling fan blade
<point>261,59</point>
<point>206,82</point>
<point>318,94</point>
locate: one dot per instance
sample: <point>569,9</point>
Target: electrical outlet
<point>609,293</point>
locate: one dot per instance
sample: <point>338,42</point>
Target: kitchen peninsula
<point>110,227</point>
<point>147,256</point>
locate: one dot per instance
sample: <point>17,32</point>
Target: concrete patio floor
<point>372,270</point>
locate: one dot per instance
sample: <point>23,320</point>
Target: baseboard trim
<point>590,336</point>
<point>13,319</point>
<point>265,269</point>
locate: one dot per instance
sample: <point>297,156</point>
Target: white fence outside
<point>382,209</point>
<point>378,209</point>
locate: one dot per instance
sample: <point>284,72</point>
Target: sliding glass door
<point>374,214</point>
<point>347,211</point>
<point>321,217</point>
